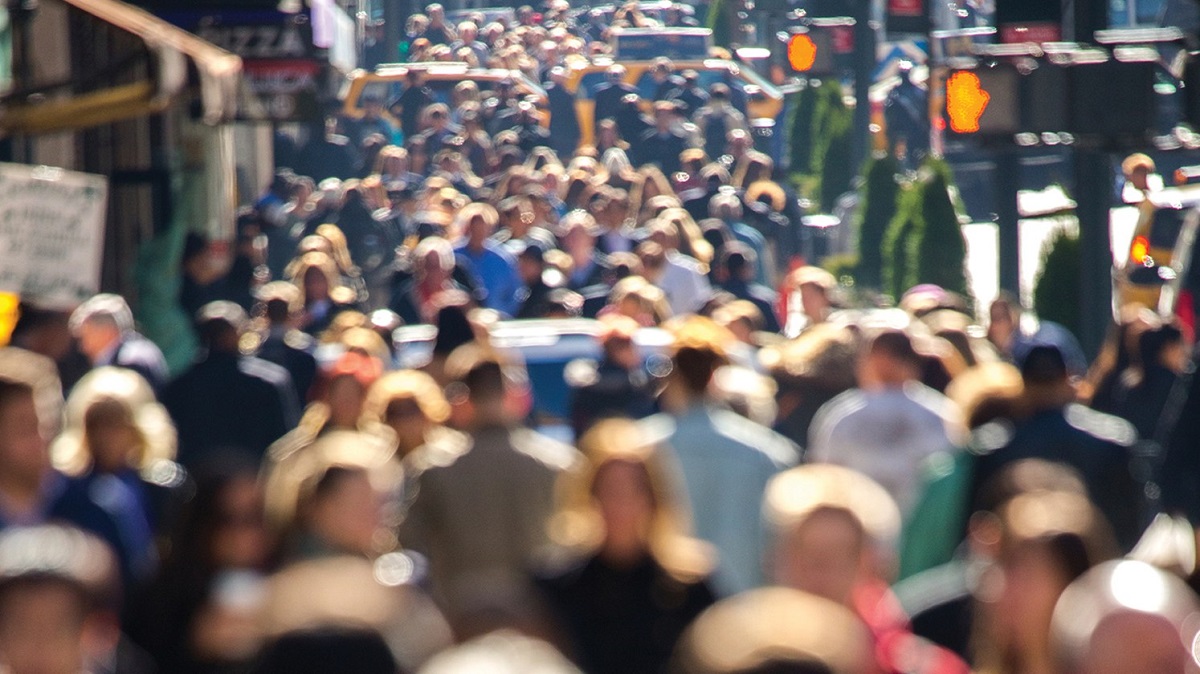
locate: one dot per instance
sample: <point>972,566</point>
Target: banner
<point>51,233</point>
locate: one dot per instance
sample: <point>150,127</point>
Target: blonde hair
<point>578,524</point>
<point>127,394</point>
<point>406,385</point>
<point>341,247</point>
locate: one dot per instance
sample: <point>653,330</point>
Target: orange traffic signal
<point>802,52</point>
<point>966,99</point>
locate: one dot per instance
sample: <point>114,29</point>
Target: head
<point>889,360</point>
<point>775,631</point>
<point>99,323</point>
<point>410,403</point>
<point>483,383</point>
<point>699,350</point>
<point>30,404</point>
<point>220,325</point>
<point>831,529</point>
<point>622,504</point>
<point>113,423</point>
<point>1137,169</point>
<point>1126,616</point>
<point>57,602</point>
<point>433,260</point>
<point>617,341</point>
<point>478,222</point>
<point>815,285</point>
<point>577,233</point>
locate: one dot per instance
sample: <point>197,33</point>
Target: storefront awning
<point>171,48</point>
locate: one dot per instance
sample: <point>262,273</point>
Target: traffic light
<point>801,52</point>
<point>811,51</point>
<point>1100,99</point>
<point>984,101</point>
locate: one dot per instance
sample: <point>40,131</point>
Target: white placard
<point>51,233</point>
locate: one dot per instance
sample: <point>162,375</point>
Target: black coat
<point>624,621</point>
<point>608,99</point>
<point>230,402</point>
<point>564,122</point>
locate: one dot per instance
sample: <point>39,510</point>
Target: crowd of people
<point>786,484</point>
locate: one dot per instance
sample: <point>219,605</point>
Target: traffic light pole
<point>1093,196</point>
<point>864,66</point>
<point>1008,218</point>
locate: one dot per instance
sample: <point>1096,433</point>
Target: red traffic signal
<point>801,52</point>
<point>966,101</point>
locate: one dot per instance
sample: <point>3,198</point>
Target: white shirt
<point>886,435</point>
<point>686,288</point>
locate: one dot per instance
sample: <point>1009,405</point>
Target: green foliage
<point>821,142</point>
<point>719,22</point>
<point>876,210</point>
<point>899,272</point>
<point>940,249</point>
<point>1056,292</point>
<point>841,266</point>
<point>800,128</point>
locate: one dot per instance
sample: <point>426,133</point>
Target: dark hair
<point>453,329</point>
<point>897,345</point>
<point>327,649</point>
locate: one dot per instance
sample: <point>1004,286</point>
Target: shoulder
<point>553,454</point>
<point>778,449</point>
<point>1105,427</point>
<point>658,428</point>
<point>263,370</point>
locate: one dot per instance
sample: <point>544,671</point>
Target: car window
<point>1166,227</point>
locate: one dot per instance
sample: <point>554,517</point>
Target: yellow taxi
<point>387,82</point>
<point>1151,266</point>
<point>764,100</point>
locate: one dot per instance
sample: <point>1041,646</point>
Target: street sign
<point>51,233</point>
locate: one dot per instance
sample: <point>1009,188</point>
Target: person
<point>32,491</point>
<point>635,580</point>
<point>412,102</point>
<point>104,327</point>
<point>616,386</point>
<point>577,234</point>
<point>608,95</point>
<point>494,268</point>
<point>468,32</point>
<point>438,31</point>
<point>833,535</point>
<point>416,297</point>
<point>198,616</point>
<point>1059,430</point>
<point>662,144</point>
<point>1046,541</point>
<point>809,371</point>
<point>723,459</point>
<point>727,207</point>
<point>1125,616</point>
<point>564,123</point>
<point>716,119</point>
<point>681,277</point>
<point>481,533</point>
<point>735,275</point>
<point>667,85</point>
<point>535,295</point>
<point>775,630</point>
<point>59,602</point>
<point>279,341</point>
<point>119,441</point>
<point>815,286</point>
<point>227,401</point>
<point>890,423</point>
<point>1141,394</point>
<point>692,95</point>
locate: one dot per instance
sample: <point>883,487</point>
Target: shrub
<point>940,248</point>
<point>876,209</point>
<point>1056,293</point>
<point>898,269</point>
